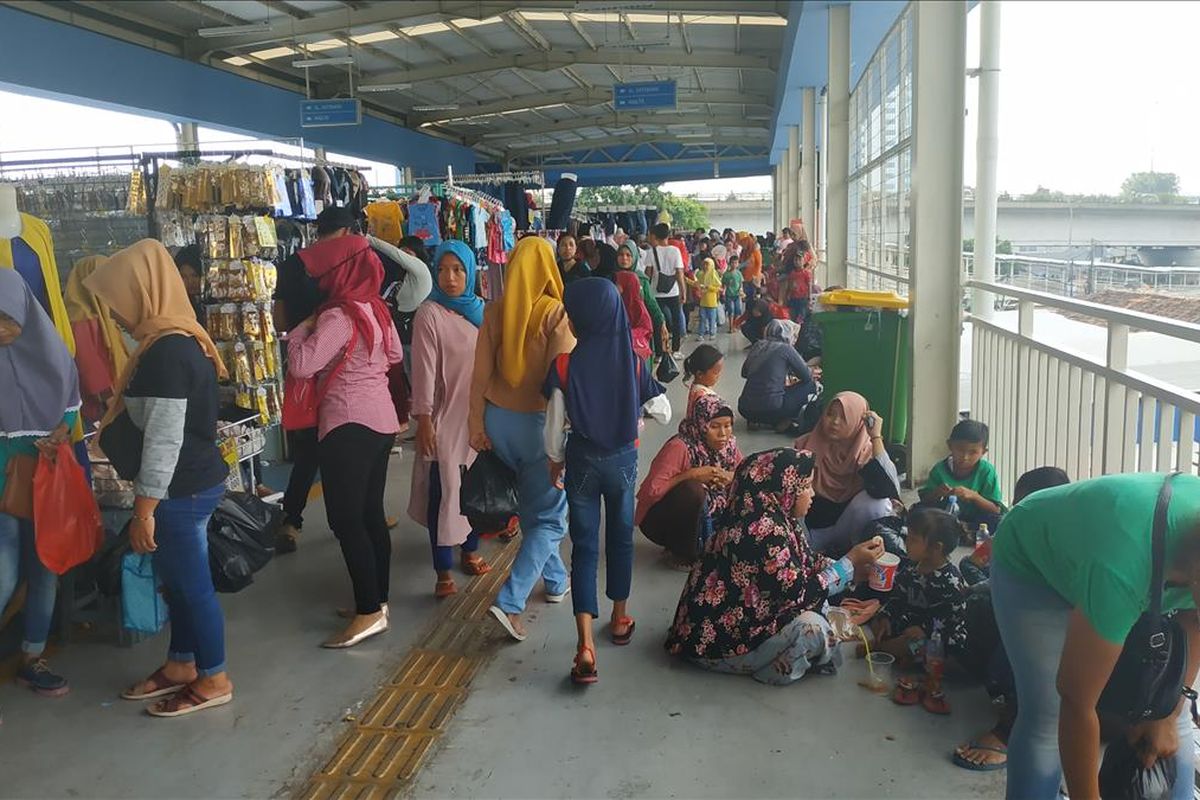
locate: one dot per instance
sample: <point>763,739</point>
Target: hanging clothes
<point>384,220</point>
<point>31,254</point>
<point>423,223</point>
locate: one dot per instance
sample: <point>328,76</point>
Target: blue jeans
<point>197,625</point>
<point>16,551</point>
<point>592,476</point>
<point>517,438</point>
<point>443,555</point>
<point>708,321</point>
<point>733,308</point>
<point>1033,626</point>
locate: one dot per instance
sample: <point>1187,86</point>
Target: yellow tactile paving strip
<point>385,746</point>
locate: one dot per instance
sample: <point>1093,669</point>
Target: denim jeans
<point>542,509</point>
<point>786,657</point>
<point>591,476</point>
<point>197,625</point>
<point>17,551</point>
<point>733,308</point>
<point>1033,626</point>
<point>443,555</point>
<point>708,321</point>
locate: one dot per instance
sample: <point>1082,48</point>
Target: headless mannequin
<point>10,218</point>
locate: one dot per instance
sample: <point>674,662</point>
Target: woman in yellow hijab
<point>100,352</point>
<point>520,337</point>
<point>168,391</point>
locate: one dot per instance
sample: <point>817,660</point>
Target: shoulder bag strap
<point>1159,549</point>
<point>657,263</point>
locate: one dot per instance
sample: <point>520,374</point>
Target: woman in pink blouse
<point>443,359</point>
<point>349,345</point>
<point>686,484</point>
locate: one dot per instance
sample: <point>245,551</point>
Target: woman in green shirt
<point>1070,577</point>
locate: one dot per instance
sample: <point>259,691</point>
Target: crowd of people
<point>556,379</point>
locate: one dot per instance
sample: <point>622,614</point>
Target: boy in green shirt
<point>731,284</point>
<point>968,476</point>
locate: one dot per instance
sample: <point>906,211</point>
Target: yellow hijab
<point>82,305</point>
<point>141,285</point>
<point>533,288</point>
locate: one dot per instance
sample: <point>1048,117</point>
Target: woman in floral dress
<point>752,604</point>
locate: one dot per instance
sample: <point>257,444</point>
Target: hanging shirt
<point>384,220</point>
<point>423,222</point>
<point>508,227</point>
<point>479,218</point>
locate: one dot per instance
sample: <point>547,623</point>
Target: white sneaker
<point>558,598</point>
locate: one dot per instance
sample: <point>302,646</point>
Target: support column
<point>793,176</point>
<point>187,136</point>
<point>808,159</point>
<point>775,204</point>
<point>785,187</point>
<point>823,175</point>
<point>987,148</point>
<point>837,212</point>
<point>939,64</point>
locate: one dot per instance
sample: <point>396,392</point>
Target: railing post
<point>1025,318</point>
<point>1115,412</point>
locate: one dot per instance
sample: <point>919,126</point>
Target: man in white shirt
<point>669,264</point>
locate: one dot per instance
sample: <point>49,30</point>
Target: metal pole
<point>987,145</point>
<point>837,211</point>
<point>792,209</point>
<point>808,159</point>
<point>823,174</point>
<point>939,101</point>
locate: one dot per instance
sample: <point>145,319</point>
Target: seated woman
<point>779,385</point>
<point>685,487</point>
<point>856,480</point>
<point>758,315</point>
<point>752,604</point>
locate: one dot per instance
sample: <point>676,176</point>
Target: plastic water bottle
<point>952,505</point>
<point>935,658</point>
<point>983,547</point>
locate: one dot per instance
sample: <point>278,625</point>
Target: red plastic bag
<point>66,519</point>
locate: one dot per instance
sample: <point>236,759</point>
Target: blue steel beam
<point>60,61</point>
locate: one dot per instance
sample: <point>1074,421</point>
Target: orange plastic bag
<point>66,520</point>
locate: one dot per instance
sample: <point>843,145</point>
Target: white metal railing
<point>1047,405</point>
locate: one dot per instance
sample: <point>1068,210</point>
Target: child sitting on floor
<point>928,594</point>
<point>966,475</point>
<point>702,369</point>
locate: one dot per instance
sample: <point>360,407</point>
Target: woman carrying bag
<point>39,409</point>
<point>160,431</point>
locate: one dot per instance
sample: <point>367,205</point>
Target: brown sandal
<point>475,565</point>
<point>583,674</point>
<point>625,638</point>
<point>444,588</point>
<point>163,686</point>
<point>187,701</point>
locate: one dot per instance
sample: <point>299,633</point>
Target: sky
<point>1090,92</point>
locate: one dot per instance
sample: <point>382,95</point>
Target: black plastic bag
<point>241,540</point>
<point>1122,776</point>
<point>488,495</point>
<point>667,370</point>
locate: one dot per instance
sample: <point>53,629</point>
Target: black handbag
<point>1148,679</point>
<point>666,371</point>
<point>121,442</point>
<point>662,283</point>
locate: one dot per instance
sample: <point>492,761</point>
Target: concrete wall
<point>1113,225</point>
<point>52,59</point>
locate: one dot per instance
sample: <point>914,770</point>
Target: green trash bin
<point>867,352</point>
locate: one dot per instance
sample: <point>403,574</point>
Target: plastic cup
<point>883,572</point>
<point>879,672</point>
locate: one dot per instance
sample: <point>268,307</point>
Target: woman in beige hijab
<point>163,422</point>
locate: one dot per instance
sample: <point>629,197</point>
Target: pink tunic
<point>443,360</point>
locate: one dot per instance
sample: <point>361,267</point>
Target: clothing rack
<point>405,189</point>
<point>496,178</point>
<point>474,197</point>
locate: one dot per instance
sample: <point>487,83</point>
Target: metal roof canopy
<point>523,84</point>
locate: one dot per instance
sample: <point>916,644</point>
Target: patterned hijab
<point>705,409</point>
<point>39,377</point>
<point>141,284</point>
<point>758,571</point>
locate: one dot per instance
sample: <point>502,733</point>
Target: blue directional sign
<point>647,94</point>
<point>330,113</point>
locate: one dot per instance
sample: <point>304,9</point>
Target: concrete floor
<point>652,727</point>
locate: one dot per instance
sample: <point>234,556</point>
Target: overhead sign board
<point>646,94</point>
<point>330,113</point>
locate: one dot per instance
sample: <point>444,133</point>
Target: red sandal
<point>475,565</point>
<point>624,638</point>
<point>444,588</point>
<point>906,693</point>
<point>935,703</point>
<point>584,674</point>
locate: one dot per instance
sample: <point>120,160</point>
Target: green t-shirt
<point>1090,542</point>
<point>732,281</point>
<point>983,479</point>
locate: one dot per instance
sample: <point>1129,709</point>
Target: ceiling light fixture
<point>336,61</point>
<point>446,107</point>
<point>234,30</point>
<point>383,87</point>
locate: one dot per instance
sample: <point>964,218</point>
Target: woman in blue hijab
<point>595,398</point>
<point>443,358</point>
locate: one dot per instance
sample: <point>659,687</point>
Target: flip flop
<point>906,693</point>
<point>444,588</point>
<point>627,637</point>
<point>964,763</point>
<point>935,703</point>
<point>163,686</point>
<point>506,623</point>
<point>475,565</point>
<point>584,674</point>
<point>196,702</point>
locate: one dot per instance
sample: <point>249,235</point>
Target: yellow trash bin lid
<point>862,299</point>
